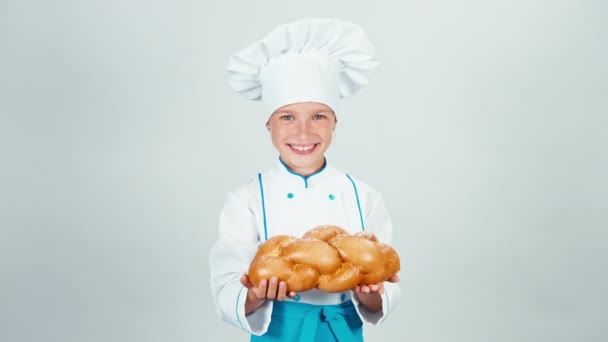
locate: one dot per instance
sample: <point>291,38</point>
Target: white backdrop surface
<point>485,129</point>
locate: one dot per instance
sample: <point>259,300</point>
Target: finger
<point>373,288</point>
<point>292,294</point>
<point>364,288</point>
<point>394,279</point>
<point>271,292</point>
<point>260,291</point>
<point>282,293</point>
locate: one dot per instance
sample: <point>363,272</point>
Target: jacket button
<point>296,298</point>
<point>343,297</point>
<point>290,195</point>
<point>332,197</point>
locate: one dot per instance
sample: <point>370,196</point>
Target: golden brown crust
<point>327,258</point>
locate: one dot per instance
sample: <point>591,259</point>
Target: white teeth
<point>302,148</point>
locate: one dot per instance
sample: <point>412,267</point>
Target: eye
<point>319,117</point>
<point>286,117</point>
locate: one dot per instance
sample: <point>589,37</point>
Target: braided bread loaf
<point>327,258</point>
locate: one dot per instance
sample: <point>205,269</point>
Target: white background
<point>485,129</point>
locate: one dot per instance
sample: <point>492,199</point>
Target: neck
<point>305,171</point>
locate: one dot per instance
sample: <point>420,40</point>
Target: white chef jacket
<point>281,202</point>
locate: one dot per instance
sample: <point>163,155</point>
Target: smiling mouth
<point>303,149</point>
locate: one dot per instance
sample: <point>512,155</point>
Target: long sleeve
<point>229,259</point>
<point>378,222</point>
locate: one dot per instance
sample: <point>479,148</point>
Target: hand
<point>369,295</point>
<point>271,289</point>
<point>375,288</point>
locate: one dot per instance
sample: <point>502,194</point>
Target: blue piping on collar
<point>305,178</point>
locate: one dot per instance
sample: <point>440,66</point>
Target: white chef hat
<point>309,60</point>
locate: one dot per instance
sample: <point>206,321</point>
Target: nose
<point>304,127</point>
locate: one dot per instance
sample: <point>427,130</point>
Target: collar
<point>294,179</point>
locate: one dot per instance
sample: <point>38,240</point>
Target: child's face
<point>302,132</point>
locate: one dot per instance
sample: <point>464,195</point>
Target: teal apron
<point>306,322</point>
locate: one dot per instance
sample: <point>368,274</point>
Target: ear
<point>268,125</point>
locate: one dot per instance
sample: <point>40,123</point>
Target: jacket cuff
<point>371,318</point>
<point>257,322</point>
<point>390,298</point>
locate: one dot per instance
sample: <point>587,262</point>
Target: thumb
<point>245,281</point>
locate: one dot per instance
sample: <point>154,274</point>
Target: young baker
<point>299,71</point>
